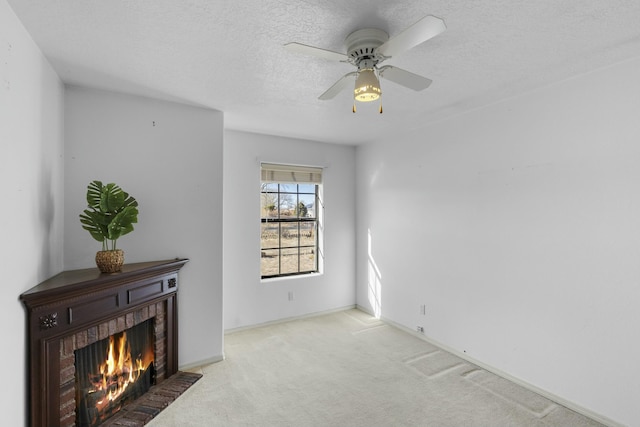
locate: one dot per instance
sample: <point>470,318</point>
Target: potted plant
<point>110,214</point>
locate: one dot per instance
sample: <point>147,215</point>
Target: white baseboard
<point>220,358</point>
<point>289,319</point>
<point>209,361</point>
<point>557,399</point>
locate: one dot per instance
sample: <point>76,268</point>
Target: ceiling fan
<point>366,49</point>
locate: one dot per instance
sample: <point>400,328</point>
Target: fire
<point>118,371</point>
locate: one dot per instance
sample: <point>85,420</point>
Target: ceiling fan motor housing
<point>362,46</point>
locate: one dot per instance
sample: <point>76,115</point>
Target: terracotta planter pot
<point>110,261</point>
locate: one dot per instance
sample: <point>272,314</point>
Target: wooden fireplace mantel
<point>75,300</point>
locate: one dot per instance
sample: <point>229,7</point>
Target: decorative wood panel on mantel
<point>79,299</point>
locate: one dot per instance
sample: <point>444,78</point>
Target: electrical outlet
<point>290,296</point>
<point>420,329</point>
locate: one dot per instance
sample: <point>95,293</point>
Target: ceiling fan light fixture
<point>367,86</point>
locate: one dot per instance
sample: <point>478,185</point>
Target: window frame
<point>279,219</point>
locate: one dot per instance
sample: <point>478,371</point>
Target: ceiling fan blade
<point>339,86</point>
<point>315,51</point>
<point>404,78</point>
<point>426,28</point>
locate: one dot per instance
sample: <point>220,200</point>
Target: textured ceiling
<point>228,55</point>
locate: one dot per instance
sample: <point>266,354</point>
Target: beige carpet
<point>349,369</point>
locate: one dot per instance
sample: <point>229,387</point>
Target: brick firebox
<point>77,308</point>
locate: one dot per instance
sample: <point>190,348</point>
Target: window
<point>289,220</point>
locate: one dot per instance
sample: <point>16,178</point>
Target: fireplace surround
<point>77,308</point>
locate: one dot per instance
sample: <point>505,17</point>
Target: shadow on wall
<point>374,281</point>
<point>46,211</point>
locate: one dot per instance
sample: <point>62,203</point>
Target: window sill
<point>296,277</point>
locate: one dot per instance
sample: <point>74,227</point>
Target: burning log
<point>96,405</point>
<point>112,377</point>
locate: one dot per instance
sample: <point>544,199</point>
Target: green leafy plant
<point>110,214</point>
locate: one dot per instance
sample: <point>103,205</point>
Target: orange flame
<point>118,371</point>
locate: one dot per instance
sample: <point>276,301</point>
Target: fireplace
<point>97,342</point>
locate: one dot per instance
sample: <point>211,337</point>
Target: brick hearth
<point>144,409</point>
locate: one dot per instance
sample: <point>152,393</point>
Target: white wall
<point>31,172</point>
<point>247,300</point>
<point>169,157</point>
<point>518,226</point>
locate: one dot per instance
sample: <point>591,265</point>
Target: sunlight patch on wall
<point>374,282</point>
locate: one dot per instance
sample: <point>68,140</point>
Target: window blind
<point>271,172</point>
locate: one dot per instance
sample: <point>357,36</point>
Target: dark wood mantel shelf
<point>76,300</point>
<point>75,282</point>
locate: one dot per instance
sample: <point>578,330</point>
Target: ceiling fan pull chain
<point>354,106</point>
<point>380,105</point>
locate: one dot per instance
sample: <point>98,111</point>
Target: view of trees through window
<point>289,229</point>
